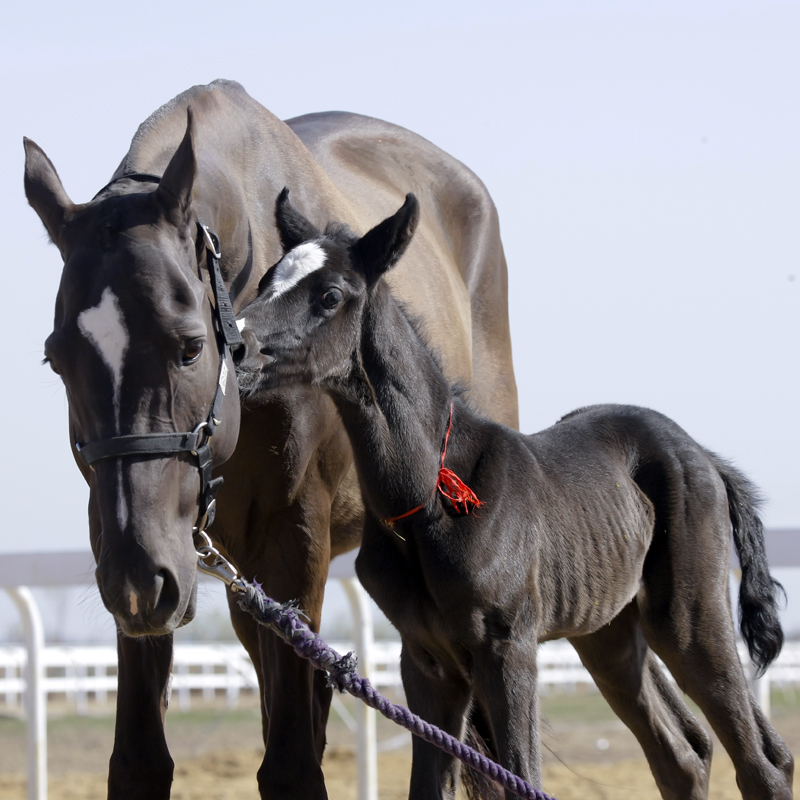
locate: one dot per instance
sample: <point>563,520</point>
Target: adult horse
<point>133,341</point>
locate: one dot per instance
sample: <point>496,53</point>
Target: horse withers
<point>610,529</point>
<point>139,343</point>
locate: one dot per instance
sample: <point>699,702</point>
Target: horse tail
<point>758,590</point>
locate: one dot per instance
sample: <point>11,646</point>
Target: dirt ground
<point>589,755</point>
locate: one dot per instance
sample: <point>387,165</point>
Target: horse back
<point>456,252</point>
<point>680,478</point>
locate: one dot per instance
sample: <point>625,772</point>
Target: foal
<point>611,529</point>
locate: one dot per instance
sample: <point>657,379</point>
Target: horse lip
<point>137,632</point>
<point>136,627</point>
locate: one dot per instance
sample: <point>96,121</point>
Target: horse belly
<point>591,564</point>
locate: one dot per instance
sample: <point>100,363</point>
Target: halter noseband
<point>195,442</point>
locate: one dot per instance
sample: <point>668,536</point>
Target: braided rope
<point>284,619</point>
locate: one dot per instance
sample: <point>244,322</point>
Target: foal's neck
<point>395,407</point>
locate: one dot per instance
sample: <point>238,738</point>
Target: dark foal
<point>611,529</point>
<point>135,341</point>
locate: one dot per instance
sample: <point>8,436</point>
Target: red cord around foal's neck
<point>448,484</point>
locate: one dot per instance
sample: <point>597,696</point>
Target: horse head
<point>305,324</point>
<point>137,346</point>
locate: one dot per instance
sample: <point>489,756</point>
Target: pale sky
<point>644,158</point>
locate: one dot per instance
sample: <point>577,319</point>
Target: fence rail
<point>86,675</point>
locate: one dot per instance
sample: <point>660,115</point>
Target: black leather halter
<point>197,441</point>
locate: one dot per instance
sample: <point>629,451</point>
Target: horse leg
<point>691,629</point>
<point>504,679</point>
<point>442,700</point>
<point>292,565</point>
<point>246,629</point>
<point>141,766</point>
<point>625,670</point>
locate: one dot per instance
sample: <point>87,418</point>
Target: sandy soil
<point>216,758</point>
<point>229,775</point>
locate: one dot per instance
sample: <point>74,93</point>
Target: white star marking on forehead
<point>295,265</point>
<point>104,327</point>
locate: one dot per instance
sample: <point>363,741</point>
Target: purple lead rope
<point>285,620</point>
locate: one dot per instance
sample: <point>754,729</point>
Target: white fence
<point>84,676</point>
<point>87,675</point>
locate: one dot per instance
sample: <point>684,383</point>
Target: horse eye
<point>331,297</point>
<point>50,364</point>
<point>192,351</point>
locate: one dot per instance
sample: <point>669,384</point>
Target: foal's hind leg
<point>625,670</point>
<point>691,629</point>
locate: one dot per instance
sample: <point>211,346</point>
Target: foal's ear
<point>293,227</point>
<point>174,193</point>
<point>45,192</point>
<point>381,248</point>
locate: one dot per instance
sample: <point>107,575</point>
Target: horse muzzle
<point>147,599</point>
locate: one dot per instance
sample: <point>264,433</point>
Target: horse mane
<point>340,233</point>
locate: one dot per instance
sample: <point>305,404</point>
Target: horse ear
<point>45,192</point>
<point>174,193</point>
<point>293,227</point>
<point>382,247</point>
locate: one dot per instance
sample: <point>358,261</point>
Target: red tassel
<point>455,490</point>
<point>448,484</point>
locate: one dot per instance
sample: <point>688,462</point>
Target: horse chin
<point>248,381</point>
<point>191,608</point>
<point>252,383</point>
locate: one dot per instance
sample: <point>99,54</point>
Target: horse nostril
<point>165,596</point>
<point>159,579</point>
<point>238,352</point>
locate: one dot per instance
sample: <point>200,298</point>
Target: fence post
<point>367,754</point>
<point>761,689</point>
<point>35,698</point>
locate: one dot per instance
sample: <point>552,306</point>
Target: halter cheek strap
<point>197,441</point>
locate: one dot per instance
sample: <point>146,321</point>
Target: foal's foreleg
<point>141,766</point>
<point>442,700</point>
<point>504,676</point>
<point>676,746</point>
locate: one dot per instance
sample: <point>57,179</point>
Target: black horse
<point>611,529</point>
<point>135,341</point>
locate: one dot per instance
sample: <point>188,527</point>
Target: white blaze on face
<point>240,324</point>
<point>104,327</point>
<point>133,598</point>
<point>295,265</point>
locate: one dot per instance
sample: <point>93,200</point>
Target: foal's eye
<point>192,351</point>
<point>331,297</point>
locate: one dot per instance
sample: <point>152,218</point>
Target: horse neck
<point>245,156</point>
<point>395,409</point>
